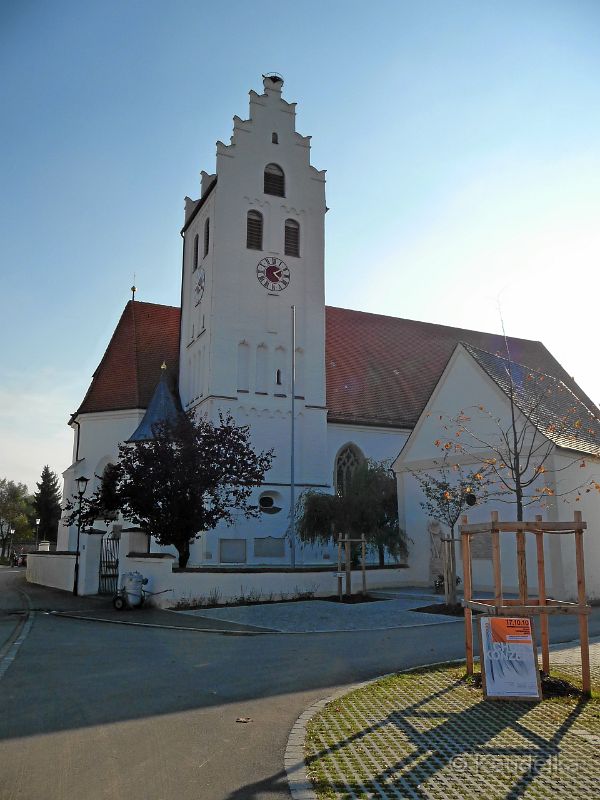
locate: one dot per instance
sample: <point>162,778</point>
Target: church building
<point>254,338</point>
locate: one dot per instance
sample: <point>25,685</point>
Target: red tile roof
<point>380,370</point>
<point>146,335</point>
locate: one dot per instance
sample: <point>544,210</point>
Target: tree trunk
<point>381,551</point>
<point>452,598</point>
<point>184,555</point>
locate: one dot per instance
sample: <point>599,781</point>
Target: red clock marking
<point>274,274</point>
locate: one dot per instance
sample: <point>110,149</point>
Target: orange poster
<point>508,659</point>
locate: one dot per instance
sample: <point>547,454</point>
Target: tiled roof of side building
<point>382,370</point>
<point>146,335</point>
<point>552,407</point>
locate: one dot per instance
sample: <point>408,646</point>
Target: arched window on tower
<point>206,236</point>
<point>347,460</point>
<point>243,366</point>
<point>195,265</point>
<point>262,362</point>
<point>292,238</point>
<point>254,230</point>
<point>274,180</point>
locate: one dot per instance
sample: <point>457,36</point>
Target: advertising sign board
<point>509,667</point>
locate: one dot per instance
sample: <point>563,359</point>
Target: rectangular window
<point>292,238</point>
<point>254,230</point>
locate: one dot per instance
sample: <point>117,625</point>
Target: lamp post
<point>81,487</point>
<point>37,530</point>
<point>11,533</point>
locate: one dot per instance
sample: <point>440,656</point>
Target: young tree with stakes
<point>189,477</point>
<point>448,492</point>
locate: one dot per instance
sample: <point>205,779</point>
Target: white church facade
<point>253,304</point>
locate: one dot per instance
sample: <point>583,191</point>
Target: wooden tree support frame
<point>347,541</point>
<point>525,606</point>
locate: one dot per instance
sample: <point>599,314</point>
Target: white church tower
<point>253,249</point>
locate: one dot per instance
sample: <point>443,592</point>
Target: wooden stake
<point>583,622</point>
<point>466,556</point>
<point>541,574</point>
<point>447,570</point>
<point>348,568</point>
<point>340,587</point>
<point>522,567</point>
<point>364,564</point>
<point>496,562</point>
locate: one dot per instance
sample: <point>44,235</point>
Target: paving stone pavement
<point>313,616</point>
<point>429,735</point>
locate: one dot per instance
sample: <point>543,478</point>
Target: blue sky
<point>460,141</point>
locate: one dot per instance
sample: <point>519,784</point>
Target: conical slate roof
<point>163,407</point>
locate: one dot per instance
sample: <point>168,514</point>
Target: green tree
<point>13,513</point>
<point>189,477</point>
<point>368,505</point>
<point>47,504</point>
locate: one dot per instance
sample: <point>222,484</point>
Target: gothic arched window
<point>274,180</point>
<point>254,230</point>
<point>292,238</point>
<point>196,239</point>
<point>347,460</point>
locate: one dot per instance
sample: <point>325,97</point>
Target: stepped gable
<point>382,370</point>
<point>146,336</point>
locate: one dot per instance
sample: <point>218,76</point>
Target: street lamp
<point>37,530</point>
<point>81,486</point>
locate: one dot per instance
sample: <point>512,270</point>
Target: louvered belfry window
<point>274,180</point>
<point>292,238</point>
<point>206,236</point>
<point>254,230</point>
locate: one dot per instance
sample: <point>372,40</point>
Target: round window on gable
<point>268,503</point>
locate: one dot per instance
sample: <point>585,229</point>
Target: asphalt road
<point>95,710</point>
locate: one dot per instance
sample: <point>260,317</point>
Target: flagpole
<point>292,448</point>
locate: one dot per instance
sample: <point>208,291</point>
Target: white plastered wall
<point>464,387</point>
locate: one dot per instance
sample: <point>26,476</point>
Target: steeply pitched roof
<point>146,335</point>
<point>382,370</point>
<point>550,405</point>
<point>164,406</point>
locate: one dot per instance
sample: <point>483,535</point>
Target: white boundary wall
<point>229,586</point>
<point>51,569</point>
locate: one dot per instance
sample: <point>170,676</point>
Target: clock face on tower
<point>273,274</point>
